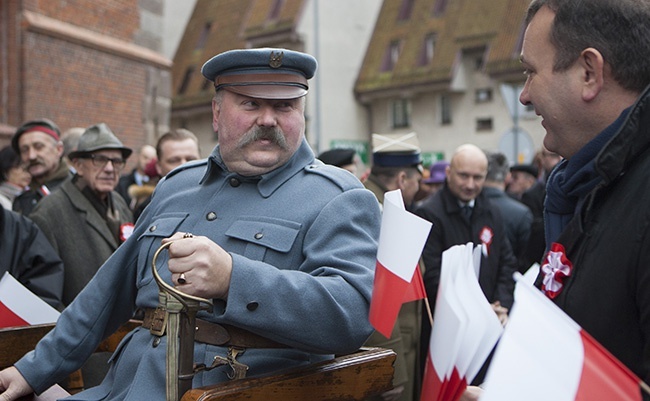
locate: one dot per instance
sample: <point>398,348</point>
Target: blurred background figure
<point>432,182</point>
<point>40,148</point>
<point>173,149</point>
<point>70,140</point>
<point>14,179</point>
<point>522,178</point>
<point>516,216</point>
<point>137,176</point>
<point>339,157</point>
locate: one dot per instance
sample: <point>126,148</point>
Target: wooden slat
<point>350,377</point>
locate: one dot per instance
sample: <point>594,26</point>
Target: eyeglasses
<point>101,160</point>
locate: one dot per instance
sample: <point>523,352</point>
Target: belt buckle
<point>158,322</point>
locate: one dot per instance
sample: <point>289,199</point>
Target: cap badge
<point>275,61</point>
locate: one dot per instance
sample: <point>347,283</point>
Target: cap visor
<point>268,91</point>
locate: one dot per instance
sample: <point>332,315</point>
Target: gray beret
<point>264,73</point>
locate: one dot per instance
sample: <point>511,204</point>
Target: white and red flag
<point>20,307</point>
<point>465,327</point>
<point>397,277</point>
<point>545,355</point>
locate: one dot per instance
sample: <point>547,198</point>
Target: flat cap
<point>396,150</point>
<point>264,73</point>
<point>42,125</point>
<point>338,157</point>
<point>526,168</point>
<point>98,137</point>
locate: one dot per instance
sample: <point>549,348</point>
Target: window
<point>439,7</point>
<point>483,95</point>
<point>186,80</point>
<point>484,124</point>
<point>401,112</point>
<point>405,10</point>
<point>204,35</point>
<point>428,49</point>
<point>478,63</point>
<point>274,13</point>
<point>391,56</point>
<point>445,110</point>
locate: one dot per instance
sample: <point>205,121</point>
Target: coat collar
<point>92,217</point>
<point>631,140</point>
<point>266,183</point>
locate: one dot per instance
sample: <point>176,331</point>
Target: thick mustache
<point>272,134</point>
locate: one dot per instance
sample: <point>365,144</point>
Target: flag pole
<point>426,299</point>
<point>644,387</point>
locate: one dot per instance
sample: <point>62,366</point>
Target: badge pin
<point>275,61</point>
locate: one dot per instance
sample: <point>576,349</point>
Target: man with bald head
<point>460,213</point>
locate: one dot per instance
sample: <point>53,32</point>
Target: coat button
<point>234,182</point>
<point>211,216</point>
<point>259,236</point>
<point>252,306</point>
<point>152,228</point>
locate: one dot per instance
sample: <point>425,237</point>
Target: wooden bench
<point>356,376</point>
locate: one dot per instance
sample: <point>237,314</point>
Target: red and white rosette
<point>126,230</point>
<point>556,268</point>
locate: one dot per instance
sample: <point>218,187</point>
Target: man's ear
<point>593,69</point>
<point>401,179</point>
<point>215,115</point>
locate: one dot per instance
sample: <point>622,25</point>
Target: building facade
<point>80,63</point>
<point>336,32</point>
<point>449,71</point>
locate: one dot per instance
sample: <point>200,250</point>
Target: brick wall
<point>77,62</point>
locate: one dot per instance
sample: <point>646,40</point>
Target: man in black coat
<point>460,213</point>
<point>28,256</point>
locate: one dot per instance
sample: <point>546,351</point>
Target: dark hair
<point>8,159</point>
<point>179,134</point>
<point>498,167</point>
<point>618,29</point>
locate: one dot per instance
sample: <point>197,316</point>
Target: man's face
<point>175,153</point>
<point>466,176</point>
<point>101,175</point>
<point>520,182</point>
<point>40,153</point>
<point>556,96</point>
<point>411,186</point>
<point>147,154</point>
<point>257,135</point>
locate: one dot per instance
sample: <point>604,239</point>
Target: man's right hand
<point>13,385</point>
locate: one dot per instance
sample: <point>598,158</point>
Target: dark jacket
<point>27,255</point>
<point>78,233</point>
<point>26,201</point>
<point>608,244</point>
<point>517,219</point>
<point>533,197</point>
<point>450,228</point>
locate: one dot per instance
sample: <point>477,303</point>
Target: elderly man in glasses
<point>86,220</point>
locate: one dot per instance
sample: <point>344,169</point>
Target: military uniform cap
<point>98,137</point>
<point>264,73</point>
<point>42,125</point>
<point>396,150</point>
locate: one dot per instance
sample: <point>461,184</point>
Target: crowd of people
<point>262,222</point>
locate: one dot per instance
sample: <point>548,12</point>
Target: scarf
<point>572,180</point>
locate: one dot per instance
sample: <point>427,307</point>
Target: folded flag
<point>397,277</point>
<point>20,307</point>
<point>465,327</point>
<point>545,355</point>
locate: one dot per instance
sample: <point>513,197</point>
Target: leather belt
<point>210,333</point>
